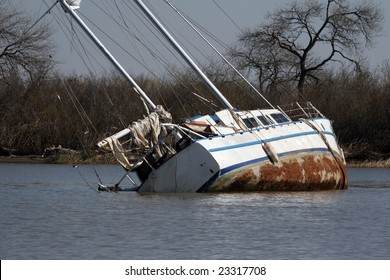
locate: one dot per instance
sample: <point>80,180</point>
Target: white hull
<point>239,162</point>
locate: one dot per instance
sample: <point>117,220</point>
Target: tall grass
<point>49,113</point>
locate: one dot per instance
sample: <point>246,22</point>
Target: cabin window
<point>250,122</point>
<point>279,118</point>
<point>264,120</point>
<point>216,119</point>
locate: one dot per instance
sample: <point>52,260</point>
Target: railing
<point>298,111</point>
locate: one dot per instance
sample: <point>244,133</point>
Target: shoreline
<point>59,159</point>
<point>63,159</point>
<point>369,164</point>
<point>22,159</point>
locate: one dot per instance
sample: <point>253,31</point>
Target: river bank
<point>60,159</point>
<point>108,159</point>
<point>369,164</point>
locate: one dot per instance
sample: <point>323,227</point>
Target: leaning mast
<point>184,55</point>
<point>104,50</point>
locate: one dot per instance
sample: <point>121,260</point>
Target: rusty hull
<point>309,172</point>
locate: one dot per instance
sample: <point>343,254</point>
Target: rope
<point>82,177</point>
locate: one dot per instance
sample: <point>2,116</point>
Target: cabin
<point>227,122</point>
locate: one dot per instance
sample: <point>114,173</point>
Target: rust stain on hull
<point>320,171</point>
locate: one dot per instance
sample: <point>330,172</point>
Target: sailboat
<point>230,150</point>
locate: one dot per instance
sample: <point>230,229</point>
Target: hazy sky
<point>208,13</point>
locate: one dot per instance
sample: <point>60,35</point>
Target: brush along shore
<point>97,158</point>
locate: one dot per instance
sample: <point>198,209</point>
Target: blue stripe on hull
<point>267,140</point>
<point>206,186</point>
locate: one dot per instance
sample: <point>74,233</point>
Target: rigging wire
<point>123,28</point>
<point>119,45</point>
<point>120,13</point>
<point>84,49</point>
<point>157,35</point>
<point>127,32</point>
<point>89,65</point>
<point>94,73</point>
<point>166,23</point>
<point>71,121</point>
<point>71,94</point>
<point>67,30</point>
<point>143,18</point>
<point>193,27</point>
<point>86,64</point>
<point>175,32</point>
<point>114,41</point>
<point>204,30</point>
<point>157,55</point>
<point>126,51</point>
<point>39,19</point>
<point>79,108</point>
<point>229,17</point>
<point>76,107</point>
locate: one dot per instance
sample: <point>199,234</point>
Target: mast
<point>184,55</point>
<point>108,55</point>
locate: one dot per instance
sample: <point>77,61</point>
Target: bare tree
<point>24,45</point>
<point>299,40</point>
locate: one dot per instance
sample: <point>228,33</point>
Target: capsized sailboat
<point>229,151</point>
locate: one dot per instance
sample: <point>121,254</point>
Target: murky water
<point>49,212</point>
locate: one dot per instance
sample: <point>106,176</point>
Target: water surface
<point>49,212</point>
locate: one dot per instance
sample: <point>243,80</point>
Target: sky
<point>223,18</point>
